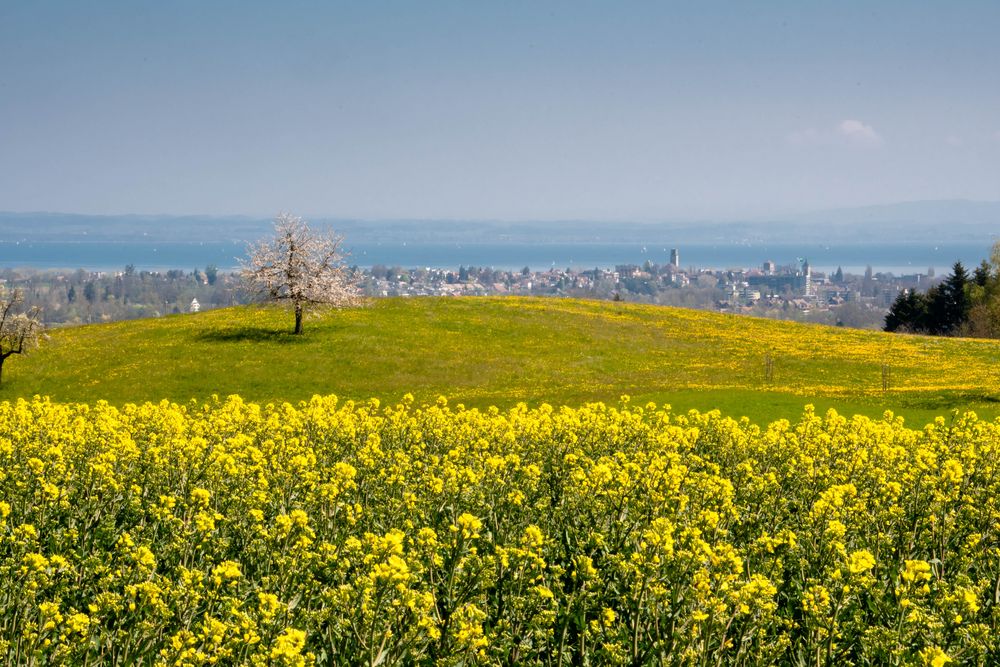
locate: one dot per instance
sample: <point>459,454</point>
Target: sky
<point>496,110</point>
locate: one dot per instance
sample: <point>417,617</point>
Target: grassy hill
<point>483,351</point>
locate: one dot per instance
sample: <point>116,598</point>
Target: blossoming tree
<point>20,329</point>
<point>300,267</point>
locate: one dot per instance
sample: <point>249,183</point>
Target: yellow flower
<point>78,624</point>
<point>860,561</point>
<point>533,537</point>
<point>952,471</point>
<point>268,605</point>
<point>469,628</point>
<point>200,497</point>
<point>971,600</point>
<point>34,562</point>
<point>469,525</point>
<point>816,600</point>
<point>287,648</point>
<point>225,572</point>
<point>204,522</point>
<point>144,558</point>
<point>916,571</point>
<point>934,657</point>
<point>544,592</point>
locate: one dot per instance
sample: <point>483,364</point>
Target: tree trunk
<point>298,318</point>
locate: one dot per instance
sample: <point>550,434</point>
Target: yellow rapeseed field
<point>334,533</point>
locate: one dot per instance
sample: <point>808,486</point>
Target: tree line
<point>963,304</point>
<point>81,297</point>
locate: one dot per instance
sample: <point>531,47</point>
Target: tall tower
<point>675,258</point>
<point>807,274</point>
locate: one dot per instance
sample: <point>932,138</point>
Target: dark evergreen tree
<point>838,277</point>
<point>958,295</point>
<point>981,276</point>
<point>948,303</point>
<point>908,313</point>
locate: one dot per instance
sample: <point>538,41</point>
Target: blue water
<point>898,258</point>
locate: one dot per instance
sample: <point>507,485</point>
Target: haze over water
<point>897,258</point>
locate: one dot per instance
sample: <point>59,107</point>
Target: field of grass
<point>485,351</point>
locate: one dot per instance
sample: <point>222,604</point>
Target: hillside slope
<point>483,351</point>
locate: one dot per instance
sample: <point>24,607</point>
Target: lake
<point>897,258</point>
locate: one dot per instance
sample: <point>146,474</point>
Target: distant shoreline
<point>896,258</point>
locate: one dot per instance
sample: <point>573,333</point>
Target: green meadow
<point>501,351</point>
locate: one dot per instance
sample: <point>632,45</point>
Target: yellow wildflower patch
<point>332,532</point>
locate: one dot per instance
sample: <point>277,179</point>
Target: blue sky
<point>505,110</point>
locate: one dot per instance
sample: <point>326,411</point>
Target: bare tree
<point>20,329</point>
<point>300,267</point>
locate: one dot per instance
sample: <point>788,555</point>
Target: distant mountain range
<point>930,212</point>
<point>919,221</point>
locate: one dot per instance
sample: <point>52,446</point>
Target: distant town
<point>781,291</point>
<point>789,291</point>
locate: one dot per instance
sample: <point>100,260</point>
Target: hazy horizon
<point>514,112</point>
<point>787,216</point>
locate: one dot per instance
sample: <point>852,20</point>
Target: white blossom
<point>20,330</point>
<point>300,267</point>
